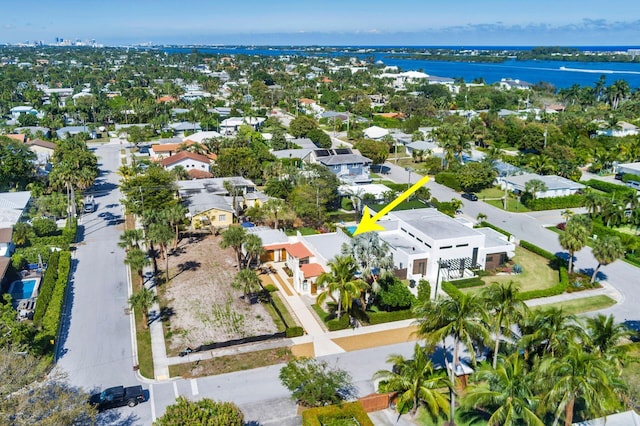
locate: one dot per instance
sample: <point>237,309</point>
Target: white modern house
<point>621,130</point>
<point>17,111</point>
<point>557,186</point>
<point>427,244</point>
<point>630,168</point>
<point>196,165</point>
<point>231,125</point>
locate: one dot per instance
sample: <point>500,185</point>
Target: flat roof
<point>398,241</point>
<point>328,245</point>
<point>434,224</point>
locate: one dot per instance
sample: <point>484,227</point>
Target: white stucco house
<point>427,244</point>
<point>196,165</point>
<point>375,132</point>
<point>557,186</point>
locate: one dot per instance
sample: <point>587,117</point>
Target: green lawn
<point>304,231</point>
<point>513,205</point>
<point>631,371</point>
<point>536,274</point>
<point>493,192</point>
<point>579,306</point>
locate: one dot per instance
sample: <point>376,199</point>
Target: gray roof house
<point>12,206</point>
<point>557,186</point>
<point>348,166</point>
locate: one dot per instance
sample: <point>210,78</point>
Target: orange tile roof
<point>276,246</point>
<point>168,147</point>
<point>199,174</point>
<point>306,101</point>
<point>311,269</point>
<point>185,154</point>
<point>298,250</point>
<point>19,138</point>
<point>163,99</point>
<point>326,80</point>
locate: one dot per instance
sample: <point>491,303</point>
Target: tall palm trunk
<point>568,412</point>
<point>496,348</point>
<point>452,398</point>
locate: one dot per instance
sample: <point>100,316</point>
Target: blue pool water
<point>351,229</point>
<point>22,289</point>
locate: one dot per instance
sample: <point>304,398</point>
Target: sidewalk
<point>607,290</point>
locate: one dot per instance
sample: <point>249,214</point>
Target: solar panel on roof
<point>321,153</point>
<point>342,151</point>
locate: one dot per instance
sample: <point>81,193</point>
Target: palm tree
<point>604,336</point>
<point>549,331</point>
<point>579,375</point>
<point>573,239</point>
<point>506,392</point>
<point>143,300</point>
<point>175,216</point>
<point>162,234</point>
<point>341,280</point>
<point>507,308</point>
<point>274,208</point>
<point>534,186</point>
<point>566,215</point>
<point>131,239</point>
<point>253,248</point>
<point>416,382</point>
<point>462,317</point>
<point>234,237</point>
<point>608,250</point>
<point>371,256</point>
<point>248,280</point>
<point>137,259</point>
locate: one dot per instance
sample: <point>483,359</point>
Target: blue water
<point>581,73</point>
<point>22,289</point>
<point>351,229</point>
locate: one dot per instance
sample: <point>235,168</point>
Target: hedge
<point>626,177</point>
<point>31,253</point>
<point>449,179</point>
<point>294,331</point>
<point>382,316</point>
<point>495,228</point>
<point>630,242</point>
<point>323,415</point>
<point>633,259</point>
<point>468,282</point>
<point>568,201</point>
<point>51,319</point>
<point>537,250</point>
<point>46,288</point>
<point>557,289</point>
<point>451,289</point>
<point>339,324</point>
<point>608,186</point>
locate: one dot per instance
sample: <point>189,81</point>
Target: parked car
<point>618,176</point>
<point>117,396</point>
<point>143,149</point>
<point>469,196</point>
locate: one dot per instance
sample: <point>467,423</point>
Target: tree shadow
<point>634,326</point>
<point>165,313</point>
<point>116,418</point>
<point>190,265</point>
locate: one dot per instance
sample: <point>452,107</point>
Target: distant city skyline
<point>331,22</point>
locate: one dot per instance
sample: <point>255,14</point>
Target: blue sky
<point>328,22</point>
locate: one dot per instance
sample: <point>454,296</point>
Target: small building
<point>514,84</point>
<point>375,132</point>
<point>17,111</point>
<point>231,125</point>
<point>6,242</point>
<point>621,130</point>
<point>344,163</point>
<point>190,162</point>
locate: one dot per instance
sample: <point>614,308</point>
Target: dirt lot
<point>203,307</point>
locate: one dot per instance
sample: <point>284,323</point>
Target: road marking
<point>153,403</point>
<point>194,387</point>
<point>175,389</point>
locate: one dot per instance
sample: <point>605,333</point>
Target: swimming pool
<point>23,289</point>
<point>350,229</point>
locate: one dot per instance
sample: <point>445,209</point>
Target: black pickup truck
<point>117,397</point>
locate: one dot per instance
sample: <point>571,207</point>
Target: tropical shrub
<point>327,415</point>
<point>204,412</point>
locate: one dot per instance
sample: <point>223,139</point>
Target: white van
<point>634,184</point>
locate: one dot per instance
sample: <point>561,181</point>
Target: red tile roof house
<point>300,260</point>
<point>196,165</point>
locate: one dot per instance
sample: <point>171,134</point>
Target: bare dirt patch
<point>204,307</point>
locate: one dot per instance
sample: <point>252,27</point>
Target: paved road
<point>95,348</point>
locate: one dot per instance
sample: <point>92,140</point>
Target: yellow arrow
<point>368,223</point>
